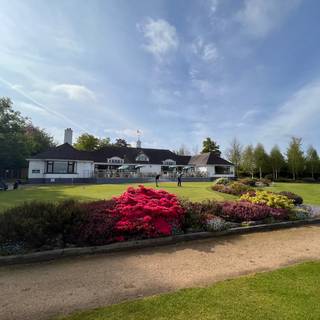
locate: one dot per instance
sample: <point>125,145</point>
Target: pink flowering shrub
<point>146,212</point>
<point>240,211</point>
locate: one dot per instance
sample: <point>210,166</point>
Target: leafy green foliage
<point>209,145</point>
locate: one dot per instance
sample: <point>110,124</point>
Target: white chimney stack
<point>68,136</point>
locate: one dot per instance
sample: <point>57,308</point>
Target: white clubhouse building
<point>65,164</point>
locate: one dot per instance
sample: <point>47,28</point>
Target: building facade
<point>65,164</point>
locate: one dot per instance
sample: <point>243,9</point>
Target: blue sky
<point>176,70</point>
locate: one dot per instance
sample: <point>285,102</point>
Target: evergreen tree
<point>209,145</point>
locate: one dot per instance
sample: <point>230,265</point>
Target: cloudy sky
<point>176,70</point>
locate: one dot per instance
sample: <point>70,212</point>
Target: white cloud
<point>126,132</point>
<point>213,4</point>
<point>300,115</point>
<point>161,37</point>
<point>259,17</point>
<point>206,51</point>
<point>74,92</point>
<point>250,114</point>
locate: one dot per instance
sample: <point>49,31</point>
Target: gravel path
<point>40,291</point>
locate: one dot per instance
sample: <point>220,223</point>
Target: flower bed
<point>139,213</point>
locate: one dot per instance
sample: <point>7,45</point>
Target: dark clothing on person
<point>179,180</point>
<point>15,185</point>
<point>157,179</point>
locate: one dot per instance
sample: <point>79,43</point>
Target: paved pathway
<point>40,291</point>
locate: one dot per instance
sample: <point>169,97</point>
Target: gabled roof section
<point>65,152</point>
<point>208,158</point>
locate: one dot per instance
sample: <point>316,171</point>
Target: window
<point>142,157</point>
<point>60,166</point>
<point>169,162</point>
<point>115,160</point>
<point>35,170</point>
<point>222,170</point>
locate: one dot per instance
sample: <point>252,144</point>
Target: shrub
<point>223,181</point>
<point>268,198</point>
<point>234,188</point>
<point>98,225</point>
<point>263,182</point>
<point>145,213</point>
<point>290,195</point>
<point>240,211</point>
<point>37,224</point>
<point>248,181</point>
<point>198,213</point>
<point>299,214</point>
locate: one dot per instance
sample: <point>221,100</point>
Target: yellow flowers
<point>270,199</point>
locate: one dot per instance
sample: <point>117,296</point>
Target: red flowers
<point>137,213</point>
<point>148,212</point>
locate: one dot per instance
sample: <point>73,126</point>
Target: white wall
<point>151,168</point>
<point>83,169</point>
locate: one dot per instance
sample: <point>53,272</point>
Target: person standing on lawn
<point>179,179</point>
<point>157,180</point>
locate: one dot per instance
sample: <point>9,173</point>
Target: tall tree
<point>87,142</point>
<point>277,161</point>
<point>209,145</point>
<point>312,161</point>
<point>183,151</point>
<point>37,139</point>
<point>104,142</point>
<point>121,143</point>
<point>260,159</point>
<point>248,160</point>
<point>19,139</point>
<point>295,157</point>
<point>234,154</point>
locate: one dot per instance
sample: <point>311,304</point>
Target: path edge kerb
<point>138,244</point>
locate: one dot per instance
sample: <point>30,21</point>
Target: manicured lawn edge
<point>138,244</point>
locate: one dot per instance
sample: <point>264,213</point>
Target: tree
<point>248,161</point>
<point>19,139</point>
<point>121,143</point>
<point>312,161</point>
<point>209,145</point>
<point>234,154</point>
<point>87,142</point>
<point>260,159</point>
<point>183,151</point>
<point>37,139</point>
<point>295,157</point>
<point>277,161</point>
<point>104,143</point>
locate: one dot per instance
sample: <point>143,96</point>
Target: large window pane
<point>60,167</point>
<point>222,170</point>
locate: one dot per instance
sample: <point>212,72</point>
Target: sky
<point>177,71</point>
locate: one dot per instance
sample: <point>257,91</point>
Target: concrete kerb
<point>138,244</point>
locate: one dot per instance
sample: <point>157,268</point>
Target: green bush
<point>248,181</point>
<point>41,224</point>
<point>223,181</point>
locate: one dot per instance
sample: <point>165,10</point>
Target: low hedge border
<point>125,246</point>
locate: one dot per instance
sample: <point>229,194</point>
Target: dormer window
<point>169,162</point>
<point>115,160</point>
<point>142,157</point>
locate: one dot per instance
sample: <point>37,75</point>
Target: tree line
<point>255,161</point>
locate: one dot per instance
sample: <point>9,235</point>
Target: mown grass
<point>310,192</point>
<point>195,191</point>
<point>289,293</point>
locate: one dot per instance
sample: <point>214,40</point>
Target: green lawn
<point>289,293</point>
<point>308,191</point>
<point>195,191</point>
